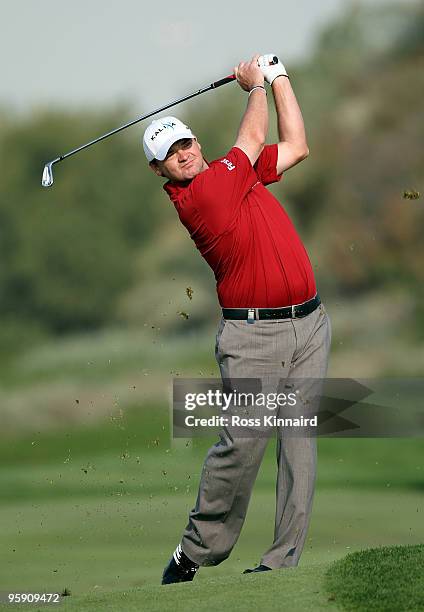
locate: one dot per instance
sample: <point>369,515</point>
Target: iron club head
<point>47,179</point>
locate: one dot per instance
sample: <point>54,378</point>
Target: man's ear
<point>154,166</point>
<point>198,143</point>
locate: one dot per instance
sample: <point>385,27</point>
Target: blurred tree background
<point>102,251</point>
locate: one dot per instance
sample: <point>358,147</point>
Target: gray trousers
<point>269,350</point>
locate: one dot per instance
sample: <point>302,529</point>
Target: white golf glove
<point>272,71</point>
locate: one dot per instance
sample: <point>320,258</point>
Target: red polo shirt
<point>244,233</point>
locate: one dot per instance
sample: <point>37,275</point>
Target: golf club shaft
<point>214,85</point>
<point>47,179</point>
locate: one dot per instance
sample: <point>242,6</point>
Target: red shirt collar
<point>175,190</point>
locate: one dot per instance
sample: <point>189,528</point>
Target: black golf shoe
<point>179,569</point>
<point>260,568</point>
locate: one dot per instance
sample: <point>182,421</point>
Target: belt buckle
<point>250,315</point>
<point>293,312</point>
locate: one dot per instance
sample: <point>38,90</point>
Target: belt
<point>286,312</point>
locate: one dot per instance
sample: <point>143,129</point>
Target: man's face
<point>183,161</point>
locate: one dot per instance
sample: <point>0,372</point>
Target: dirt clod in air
<point>411,194</point>
<point>189,292</point>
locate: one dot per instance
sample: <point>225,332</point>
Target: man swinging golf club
<point>273,323</point>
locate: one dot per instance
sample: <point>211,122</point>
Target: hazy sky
<point>105,52</point>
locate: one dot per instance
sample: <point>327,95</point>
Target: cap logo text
<point>170,125</point>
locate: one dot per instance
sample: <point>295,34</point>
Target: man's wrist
<point>286,76</point>
<point>257,87</point>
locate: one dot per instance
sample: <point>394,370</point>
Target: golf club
<point>47,178</point>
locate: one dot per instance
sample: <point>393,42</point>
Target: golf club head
<point>47,179</point>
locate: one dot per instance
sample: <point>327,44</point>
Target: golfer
<point>273,324</point>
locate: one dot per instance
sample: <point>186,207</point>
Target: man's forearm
<point>290,121</point>
<point>254,124</point>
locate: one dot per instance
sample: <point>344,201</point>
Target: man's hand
<point>271,72</point>
<point>248,74</point>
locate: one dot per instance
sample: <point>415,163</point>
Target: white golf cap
<point>161,134</point>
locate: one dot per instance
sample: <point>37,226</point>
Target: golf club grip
<point>223,81</point>
<point>232,77</point>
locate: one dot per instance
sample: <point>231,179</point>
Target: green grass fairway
<point>384,579</point>
<point>299,589</point>
<point>120,542</point>
<point>379,579</point>
<point>99,511</point>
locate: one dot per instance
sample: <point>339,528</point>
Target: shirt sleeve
<point>219,191</point>
<point>266,165</point>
